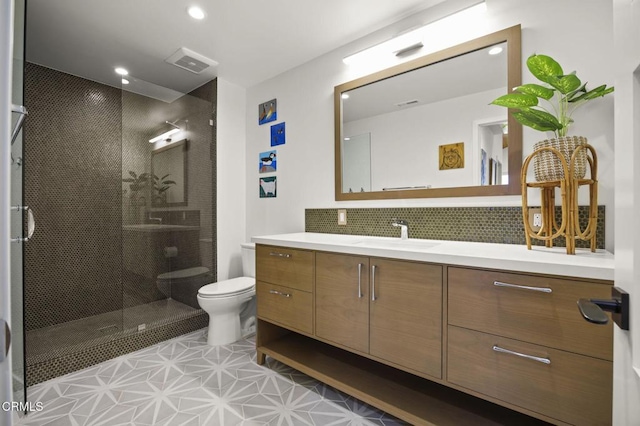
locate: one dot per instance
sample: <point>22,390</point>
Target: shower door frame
<point>6,59</point>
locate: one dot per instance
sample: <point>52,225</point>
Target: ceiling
<point>251,40</point>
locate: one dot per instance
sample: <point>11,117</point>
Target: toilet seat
<point>227,288</point>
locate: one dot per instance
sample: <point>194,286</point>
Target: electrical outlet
<point>342,217</point>
<point>535,218</point>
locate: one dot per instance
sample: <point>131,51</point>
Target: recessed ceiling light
<point>121,71</point>
<point>125,81</point>
<point>495,50</point>
<point>195,12</point>
<point>345,96</point>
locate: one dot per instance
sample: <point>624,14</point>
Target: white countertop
<point>510,257</point>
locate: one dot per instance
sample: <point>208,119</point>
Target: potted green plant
<point>160,186</point>
<point>145,181</point>
<point>137,182</point>
<point>549,107</point>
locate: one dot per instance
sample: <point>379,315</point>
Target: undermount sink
<point>397,244</point>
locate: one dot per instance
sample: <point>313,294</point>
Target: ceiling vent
<point>191,61</point>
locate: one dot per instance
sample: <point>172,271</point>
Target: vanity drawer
<point>531,308</point>
<point>285,306</point>
<point>572,388</point>
<point>285,266</point>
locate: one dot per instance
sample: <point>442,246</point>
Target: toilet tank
<point>248,259</point>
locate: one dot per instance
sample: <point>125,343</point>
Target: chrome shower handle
<point>23,114</point>
<point>31,224</point>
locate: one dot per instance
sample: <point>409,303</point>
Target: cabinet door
<point>285,306</point>
<point>342,300</point>
<point>285,266</point>
<point>406,314</point>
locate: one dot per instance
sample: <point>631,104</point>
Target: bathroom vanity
<point>401,324</point>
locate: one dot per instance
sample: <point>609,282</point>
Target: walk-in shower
<point>121,221</point>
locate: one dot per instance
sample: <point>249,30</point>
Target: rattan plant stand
<point>568,184</point>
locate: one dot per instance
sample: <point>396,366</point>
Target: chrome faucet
<point>159,219</point>
<point>404,227</point>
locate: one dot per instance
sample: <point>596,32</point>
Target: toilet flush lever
<point>593,310</point>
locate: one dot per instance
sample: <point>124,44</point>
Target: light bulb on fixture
<point>196,13</point>
<point>121,71</point>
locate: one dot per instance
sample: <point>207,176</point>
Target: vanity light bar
<point>412,41</point>
<point>407,103</point>
<point>166,134</point>
<point>410,50</point>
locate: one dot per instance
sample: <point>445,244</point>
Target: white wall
<point>578,33</point>
<point>231,178</point>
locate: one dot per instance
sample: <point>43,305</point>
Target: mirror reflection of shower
<point>356,163</point>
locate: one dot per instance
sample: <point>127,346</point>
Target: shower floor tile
<point>184,381</point>
<point>54,341</point>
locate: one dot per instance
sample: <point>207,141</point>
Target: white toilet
<point>225,301</point>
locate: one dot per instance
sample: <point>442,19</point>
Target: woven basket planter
<point>547,166</point>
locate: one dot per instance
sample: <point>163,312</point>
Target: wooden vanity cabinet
<point>514,339</point>
<point>389,309</point>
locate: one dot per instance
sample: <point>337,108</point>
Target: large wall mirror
<point>169,171</point>
<point>425,128</point>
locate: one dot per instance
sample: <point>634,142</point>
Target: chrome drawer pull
<point>360,281</point>
<point>280,254</point>
<point>279,293</point>
<point>531,357</point>
<point>523,287</point>
<point>373,283</point>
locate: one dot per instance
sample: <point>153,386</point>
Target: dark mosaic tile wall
<point>72,182</point>
<point>479,224</point>
<point>81,139</point>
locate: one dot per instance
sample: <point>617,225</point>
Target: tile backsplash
<point>479,224</point>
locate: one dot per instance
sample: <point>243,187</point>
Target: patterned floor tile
<point>186,382</point>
